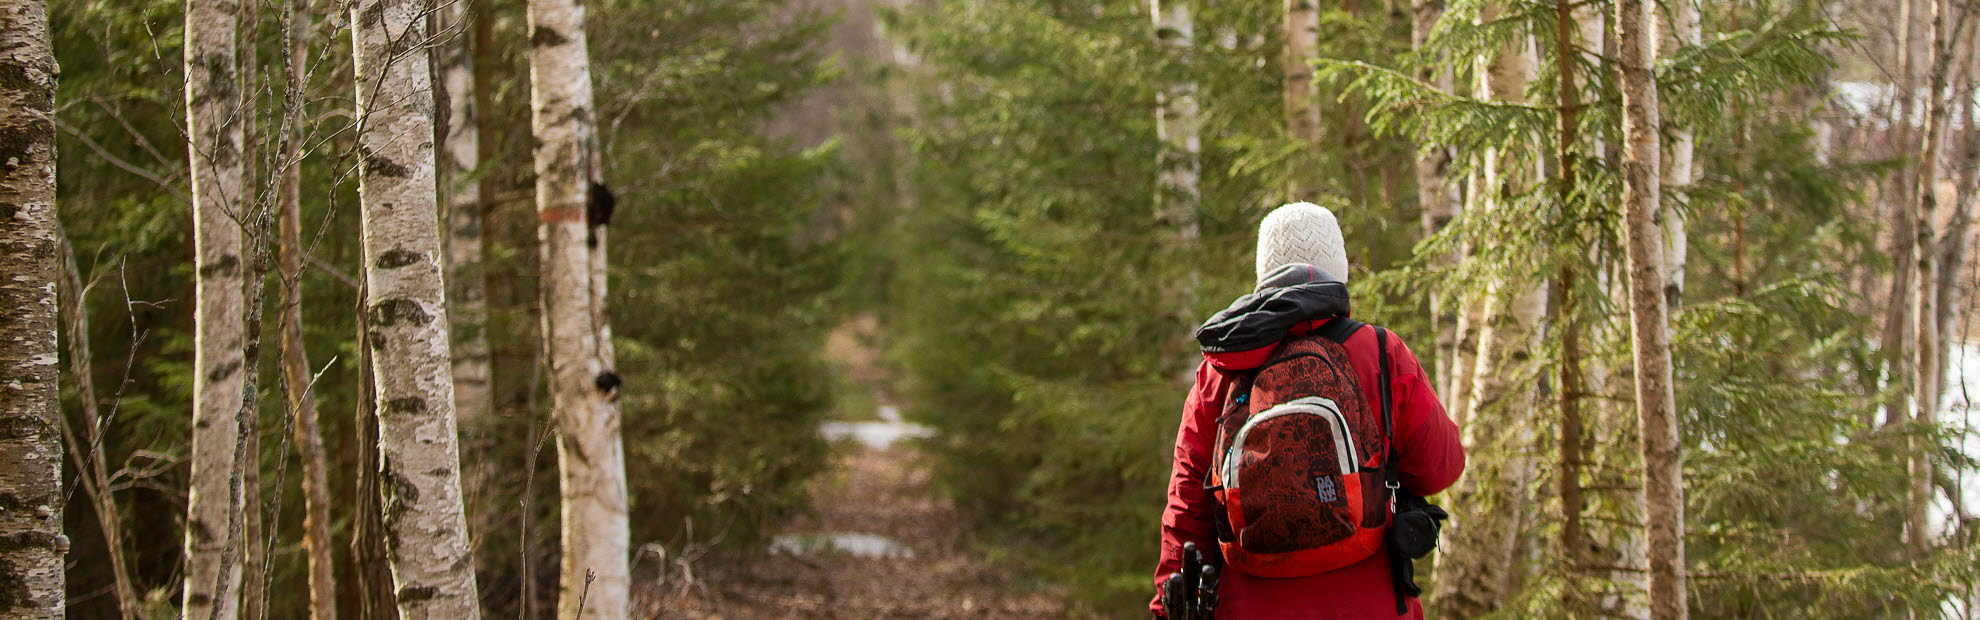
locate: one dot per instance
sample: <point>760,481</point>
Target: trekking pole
<point>1192,575</point>
<point>1206,594</point>
<point>1173,604</point>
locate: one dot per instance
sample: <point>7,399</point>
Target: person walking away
<point>1303,428</point>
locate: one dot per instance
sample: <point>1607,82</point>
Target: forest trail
<point>880,541</point>
<point>881,544</point>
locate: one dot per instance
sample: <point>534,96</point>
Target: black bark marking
<point>219,78</point>
<point>545,37</point>
<point>608,383</point>
<point>391,311</point>
<point>198,600</point>
<point>22,78</point>
<point>8,209</point>
<point>376,339</point>
<point>17,143</point>
<point>19,541</point>
<point>396,258</point>
<point>23,427</point>
<point>417,594</point>
<point>400,496</point>
<point>598,211</point>
<point>201,532</point>
<point>376,164</point>
<point>408,405</point>
<point>226,266</point>
<point>221,372</point>
<point>438,471</point>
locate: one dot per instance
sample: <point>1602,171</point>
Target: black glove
<point>1412,534</point>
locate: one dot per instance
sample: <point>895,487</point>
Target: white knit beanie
<point>1301,232</point>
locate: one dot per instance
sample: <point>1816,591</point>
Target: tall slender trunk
<point>419,460</point>
<point>1677,172</point>
<point>1952,245</point>
<point>1649,327</point>
<point>296,377</point>
<point>1924,342</point>
<point>373,577</point>
<point>86,449</point>
<point>1479,572</point>
<point>591,461</point>
<point>1568,480</point>
<point>1177,187</point>
<point>254,560</point>
<point>1897,321</point>
<point>1302,108</point>
<point>460,157</point>
<point>31,450</point>
<point>214,128</point>
<point>1436,196</point>
<point>467,291</point>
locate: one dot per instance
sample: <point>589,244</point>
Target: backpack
<point>1301,467</point>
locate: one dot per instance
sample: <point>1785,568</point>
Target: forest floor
<point>879,543</point>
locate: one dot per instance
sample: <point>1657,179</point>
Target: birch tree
<point>1178,190</point>
<point>296,376</point>
<point>1435,194</point>
<point>1649,327</point>
<point>1924,341</point>
<point>419,461</point>
<point>31,449</point>
<point>1678,174</point>
<point>460,141</point>
<point>1897,322</point>
<point>1478,572</point>
<point>1302,108</point>
<point>214,121</point>
<point>591,461</point>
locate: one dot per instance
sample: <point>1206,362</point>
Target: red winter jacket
<point>1428,453</point>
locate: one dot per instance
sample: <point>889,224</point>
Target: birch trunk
<point>1677,172</point>
<point>1302,108</point>
<point>213,125</point>
<point>31,450</point>
<point>1435,195</point>
<point>1479,572</point>
<point>1649,327</point>
<point>1952,245</point>
<point>1178,189</point>
<point>467,289</point>
<point>1924,341</point>
<point>419,461</point>
<point>1897,322</point>
<point>591,462</point>
<point>296,375</point>
<point>460,155</point>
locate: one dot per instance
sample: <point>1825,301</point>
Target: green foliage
<point>1034,303</point>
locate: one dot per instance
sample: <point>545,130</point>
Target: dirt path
<point>879,546</point>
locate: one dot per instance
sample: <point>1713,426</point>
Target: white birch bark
<point>213,125</point>
<point>590,459</point>
<point>295,358</point>
<point>1897,323</point>
<point>1302,108</point>
<point>1436,196</point>
<point>460,146</point>
<point>1178,184</point>
<point>1478,571</point>
<point>1678,174</point>
<point>1649,326</point>
<point>30,450</point>
<point>1924,340</point>
<point>419,461</point>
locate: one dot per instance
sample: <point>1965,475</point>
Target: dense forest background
<point>995,199</point>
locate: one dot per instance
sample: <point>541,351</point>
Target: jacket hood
<point>1293,298</point>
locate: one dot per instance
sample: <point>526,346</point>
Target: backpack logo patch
<point>1324,487</point>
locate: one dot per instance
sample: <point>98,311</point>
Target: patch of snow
<point>857,544</point>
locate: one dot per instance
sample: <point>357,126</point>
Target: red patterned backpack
<point>1301,466</point>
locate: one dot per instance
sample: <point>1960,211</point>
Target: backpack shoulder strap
<point>1390,477</point>
<point>1339,329</point>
